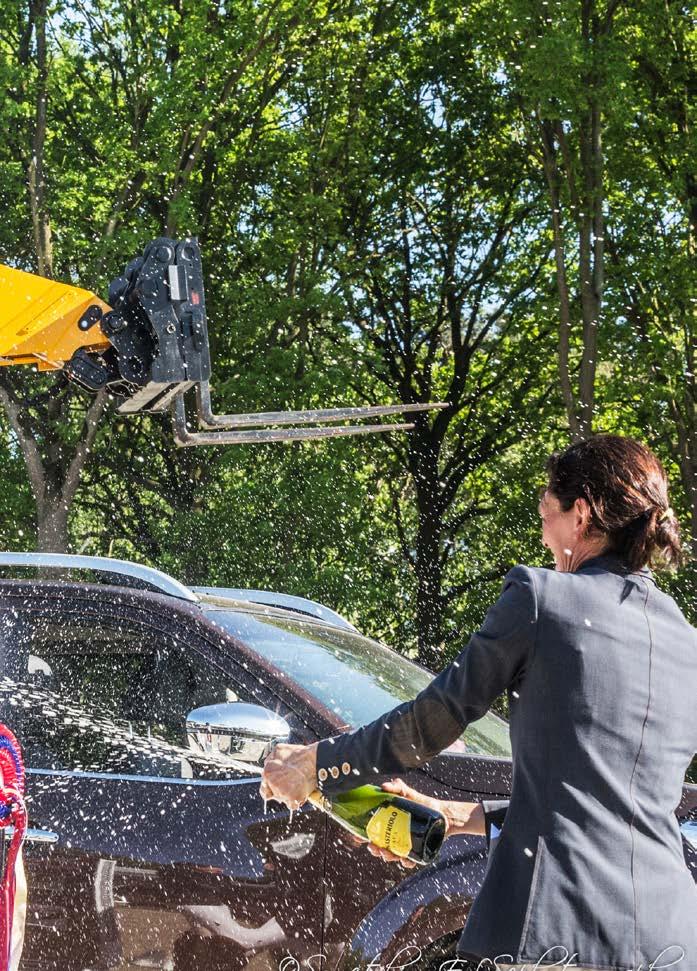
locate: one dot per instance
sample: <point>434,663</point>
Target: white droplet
<point>528,852</point>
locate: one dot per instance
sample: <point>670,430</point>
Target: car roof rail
<point>284,600</point>
<point>133,574</point>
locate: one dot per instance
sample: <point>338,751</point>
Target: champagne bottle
<point>403,826</point>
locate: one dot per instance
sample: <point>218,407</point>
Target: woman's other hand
<point>400,788</point>
<point>460,818</point>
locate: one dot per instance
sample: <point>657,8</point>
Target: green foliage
<point>346,167</point>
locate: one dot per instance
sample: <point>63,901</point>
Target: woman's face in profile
<point>558,527</point>
<point>569,535</point>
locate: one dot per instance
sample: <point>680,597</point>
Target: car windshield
<point>354,676</point>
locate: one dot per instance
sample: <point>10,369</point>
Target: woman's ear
<point>583,516</point>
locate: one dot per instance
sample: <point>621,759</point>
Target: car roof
<point>228,596</point>
<point>125,573</point>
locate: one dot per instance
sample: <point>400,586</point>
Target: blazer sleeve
<point>495,655</point>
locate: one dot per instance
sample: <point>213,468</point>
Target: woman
<point>600,667</point>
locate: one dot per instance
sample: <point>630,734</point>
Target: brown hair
<point>626,488</point>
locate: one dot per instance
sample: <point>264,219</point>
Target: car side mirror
<point>241,730</point>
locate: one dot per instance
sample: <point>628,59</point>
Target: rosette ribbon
<point>13,814</point>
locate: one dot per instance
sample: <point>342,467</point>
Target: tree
<point>438,264</point>
<point>652,244</point>
<point>560,64</point>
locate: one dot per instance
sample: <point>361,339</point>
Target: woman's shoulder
<point>526,572</point>
<point>558,589</point>
<point>597,570</point>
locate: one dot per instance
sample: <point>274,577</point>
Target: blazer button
<point>335,772</point>
<point>345,768</point>
<point>322,774</point>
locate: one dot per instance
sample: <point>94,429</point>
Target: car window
<point>354,676</point>
<point>109,698</point>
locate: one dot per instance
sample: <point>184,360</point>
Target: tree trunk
<point>580,169</point>
<point>687,463</point>
<point>53,467</point>
<point>429,600</point>
<point>424,455</point>
<point>553,178</point>
<point>52,525</point>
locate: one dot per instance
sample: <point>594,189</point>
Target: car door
<point>146,854</point>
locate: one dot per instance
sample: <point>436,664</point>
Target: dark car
<point>144,709</point>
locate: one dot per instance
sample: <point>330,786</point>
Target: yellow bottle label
<point>390,827</point>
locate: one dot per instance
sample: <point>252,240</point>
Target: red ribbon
<point>12,813</point>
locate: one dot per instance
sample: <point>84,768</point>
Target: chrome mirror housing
<point>243,731</point>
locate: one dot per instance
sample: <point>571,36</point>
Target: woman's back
<point>616,683</point>
<point>603,729</point>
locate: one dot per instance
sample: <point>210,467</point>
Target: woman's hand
<point>289,774</point>
<point>463,818</point>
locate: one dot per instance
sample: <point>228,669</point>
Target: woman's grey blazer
<point>600,667</point>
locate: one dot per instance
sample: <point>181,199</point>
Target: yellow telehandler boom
<point>148,346</point>
<point>39,320</point>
